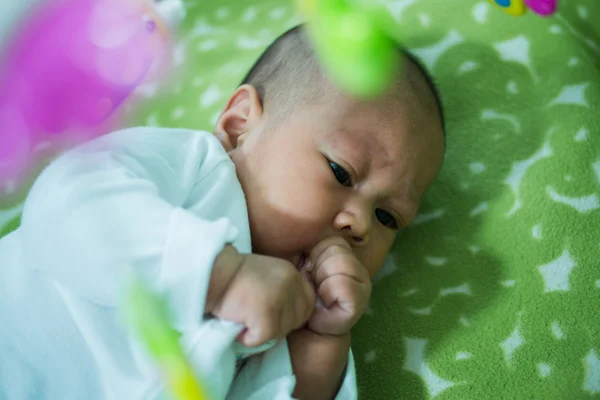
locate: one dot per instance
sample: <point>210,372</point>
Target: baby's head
<point>315,163</point>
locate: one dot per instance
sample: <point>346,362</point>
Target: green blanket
<point>494,292</point>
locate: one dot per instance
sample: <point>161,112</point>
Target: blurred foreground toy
<point>357,40</point>
<point>519,7</point>
<point>512,7</point>
<point>65,72</point>
<point>147,314</point>
<point>357,43</point>
<point>542,7</point>
<point>67,68</point>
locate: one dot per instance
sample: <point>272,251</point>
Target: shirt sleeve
<point>269,375</point>
<point>123,202</point>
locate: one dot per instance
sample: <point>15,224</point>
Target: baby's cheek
<point>373,255</point>
<point>304,201</point>
<point>302,212</point>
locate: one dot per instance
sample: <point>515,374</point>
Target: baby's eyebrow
<point>364,149</point>
<point>407,197</point>
<point>375,147</point>
<point>407,212</point>
<point>350,145</point>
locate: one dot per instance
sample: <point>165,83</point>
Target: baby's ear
<point>241,115</point>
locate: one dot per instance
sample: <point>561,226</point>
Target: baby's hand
<point>268,296</point>
<point>343,285</point>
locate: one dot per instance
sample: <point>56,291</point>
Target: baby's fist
<point>268,296</point>
<point>343,285</point>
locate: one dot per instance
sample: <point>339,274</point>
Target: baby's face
<point>356,170</point>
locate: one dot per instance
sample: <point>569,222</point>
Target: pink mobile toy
<point>542,7</point>
<point>67,70</point>
<point>519,7</point>
<point>68,67</point>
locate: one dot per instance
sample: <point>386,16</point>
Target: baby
<point>298,177</point>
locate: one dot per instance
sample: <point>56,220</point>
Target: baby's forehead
<point>388,131</point>
<point>393,115</point>
<point>365,138</point>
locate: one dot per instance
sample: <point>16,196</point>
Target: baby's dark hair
<point>288,73</point>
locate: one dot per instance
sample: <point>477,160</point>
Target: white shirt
<point>163,201</point>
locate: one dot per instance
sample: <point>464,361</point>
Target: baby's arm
<point>320,352</point>
<point>124,201</point>
<point>319,362</point>
<point>168,204</point>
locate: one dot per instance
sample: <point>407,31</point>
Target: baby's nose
<point>354,227</point>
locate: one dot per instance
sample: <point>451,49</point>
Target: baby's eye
<point>340,174</point>
<point>386,218</point>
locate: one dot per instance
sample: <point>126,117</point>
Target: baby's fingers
<point>344,301</point>
<point>328,248</point>
<point>255,336</point>
<point>309,298</point>
<point>343,264</point>
<point>330,321</point>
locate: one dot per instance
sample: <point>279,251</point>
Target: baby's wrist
<point>342,340</point>
<point>327,344</point>
<point>225,267</point>
<point>319,362</point>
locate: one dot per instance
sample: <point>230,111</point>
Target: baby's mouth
<point>302,262</point>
